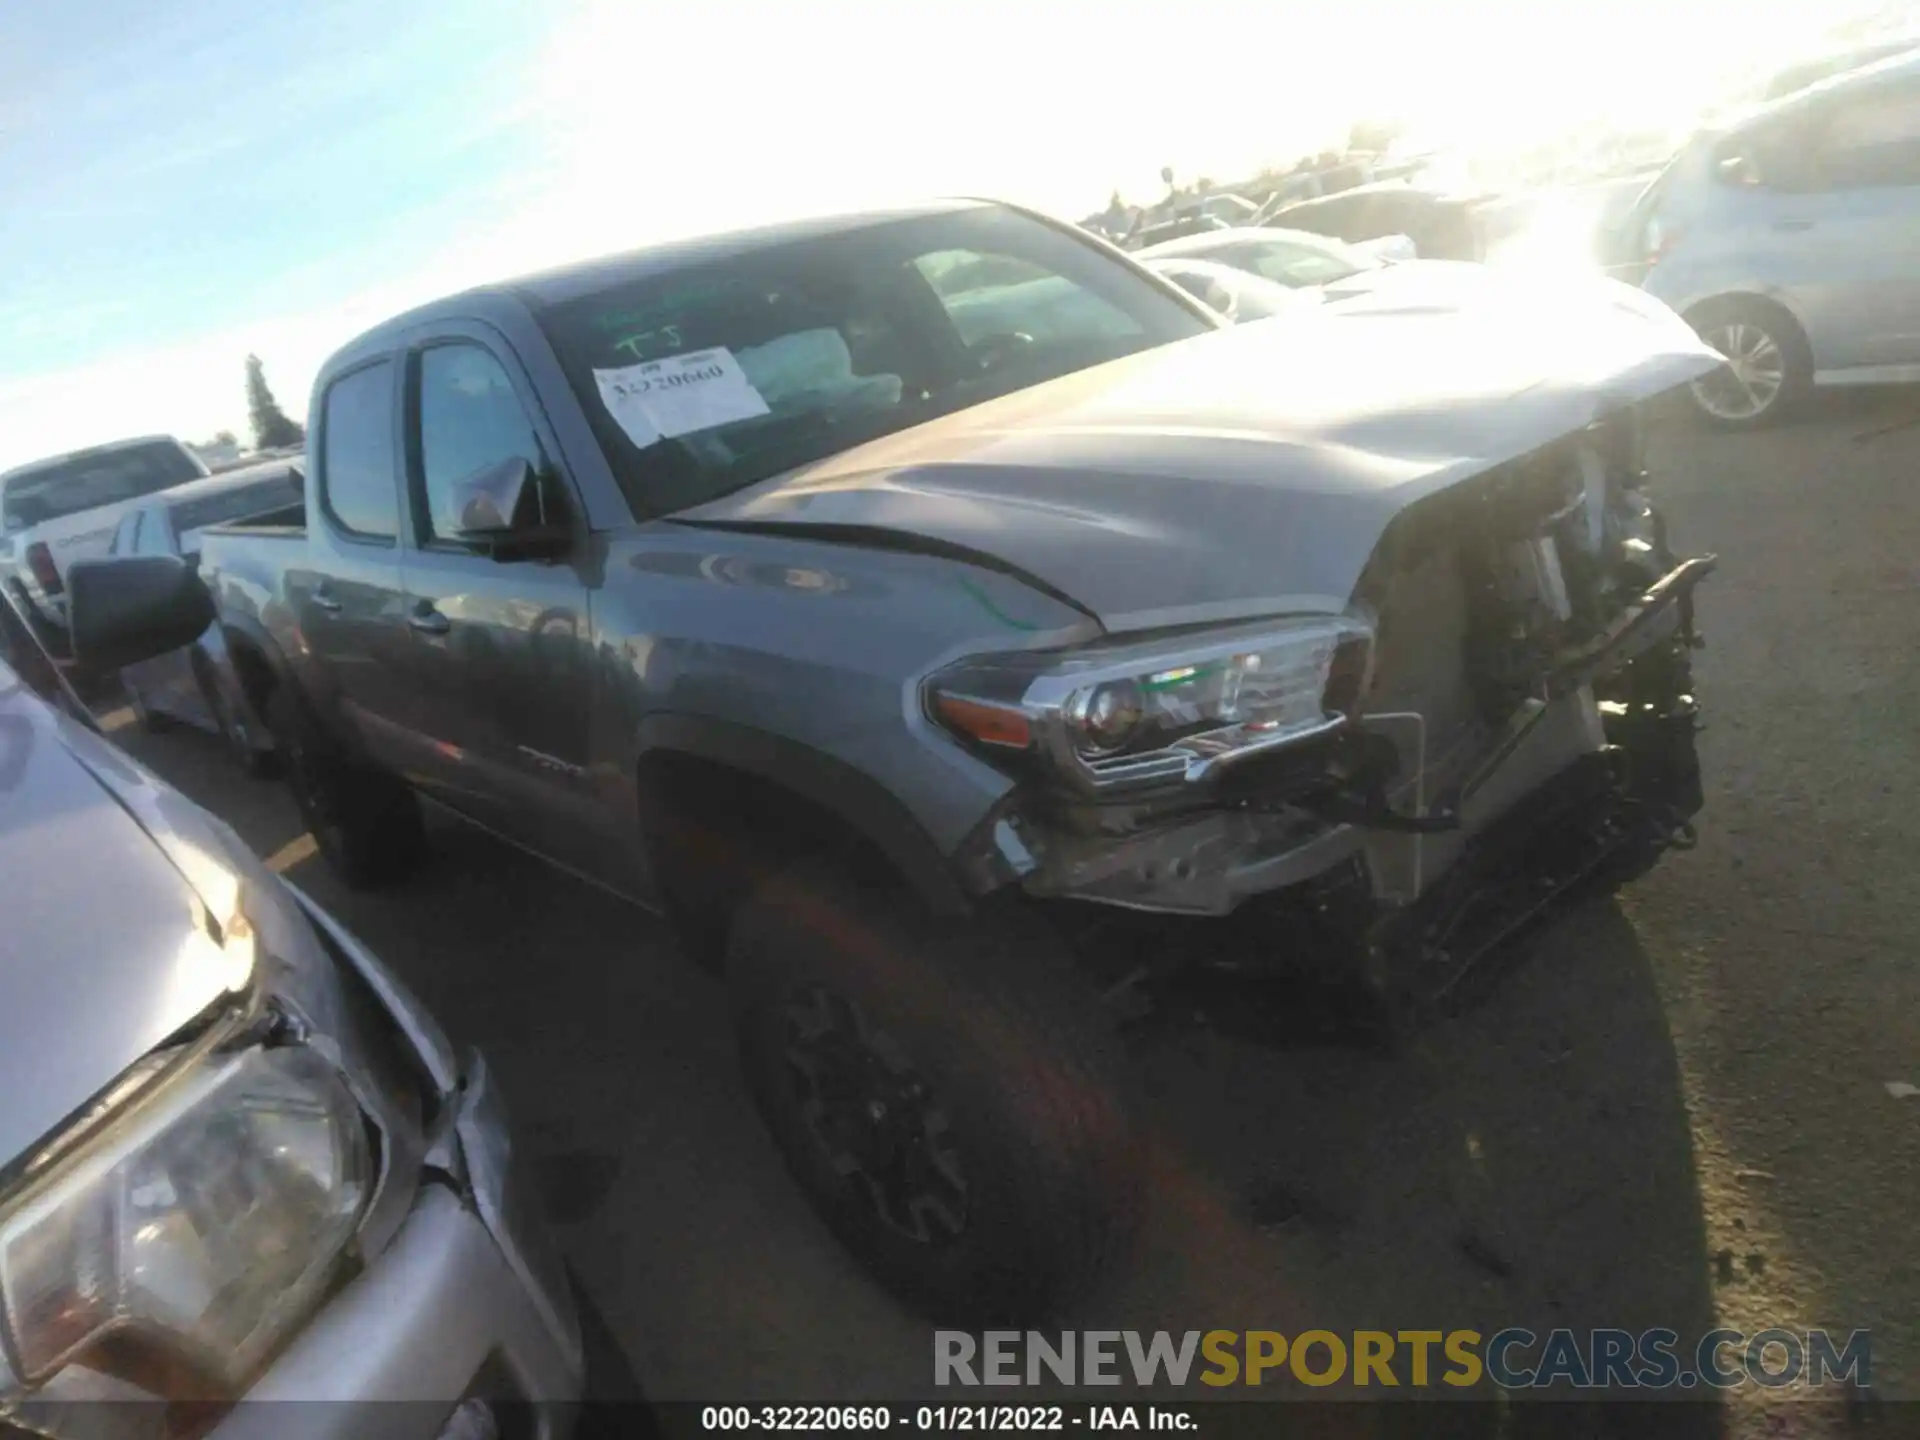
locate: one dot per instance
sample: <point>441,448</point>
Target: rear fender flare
<point>246,633</point>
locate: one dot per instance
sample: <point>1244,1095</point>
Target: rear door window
<point>358,480</point>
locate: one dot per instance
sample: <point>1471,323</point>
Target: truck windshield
<point>40,493</point>
<point>713,376</point>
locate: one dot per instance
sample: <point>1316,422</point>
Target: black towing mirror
<point>510,511</point>
<point>133,608</point>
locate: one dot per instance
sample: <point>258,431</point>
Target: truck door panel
<point>503,649</point>
<point>350,604</point>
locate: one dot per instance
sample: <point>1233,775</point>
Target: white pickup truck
<point>66,508</point>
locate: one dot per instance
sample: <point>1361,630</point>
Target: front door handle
<point>429,621</point>
<point>1793,225</point>
<point>323,601</point>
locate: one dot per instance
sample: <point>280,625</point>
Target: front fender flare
<point>848,794</point>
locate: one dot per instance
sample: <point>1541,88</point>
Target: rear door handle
<point>429,621</point>
<point>1793,225</point>
<point>323,601</point>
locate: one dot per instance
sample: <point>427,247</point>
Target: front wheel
<point>940,1089</point>
<point>366,824</point>
<point>1768,369</point>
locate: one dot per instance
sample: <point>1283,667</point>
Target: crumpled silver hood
<point>104,948</point>
<point>1251,471</point>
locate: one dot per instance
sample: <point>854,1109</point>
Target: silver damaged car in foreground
<point>238,1161</point>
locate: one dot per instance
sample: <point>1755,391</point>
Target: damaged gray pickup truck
<point>885,599</point>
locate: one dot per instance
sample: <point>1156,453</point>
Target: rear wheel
<point>941,1090</point>
<point>366,824</point>
<point>1769,367</point>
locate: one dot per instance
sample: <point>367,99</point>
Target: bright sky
<point>186,181</point>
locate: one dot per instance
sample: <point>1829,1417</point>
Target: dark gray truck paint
<point>786,629</point>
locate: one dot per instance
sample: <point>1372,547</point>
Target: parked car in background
<point>1235,295</point>
<point>1789,240</point>
<point>196,684</point>
<point>1222,205</point>
<point>1160,231</point>
<point>241,1161</point>
<point>900,662</point>
<point>998,301</point>
<point>1393,249</point>
<point>1440,224</point>
<point>56,511</point>
<point>1810,72</point>
<point>1293,258</point>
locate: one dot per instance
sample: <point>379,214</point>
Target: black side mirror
<point>510,511</point>
<point>134,608</point>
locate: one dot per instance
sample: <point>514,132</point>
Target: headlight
<point>1172,709</point>
<point>206,1219</point>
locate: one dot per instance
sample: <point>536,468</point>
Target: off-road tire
<point>366,824</point>
<point>1007,1040</point>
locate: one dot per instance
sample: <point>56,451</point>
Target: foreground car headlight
<point>1170,709</point>
<point>206,1220</point>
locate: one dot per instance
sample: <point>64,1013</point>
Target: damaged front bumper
<point>1605,742</point>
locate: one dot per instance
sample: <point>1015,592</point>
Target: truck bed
<point>289,520</point>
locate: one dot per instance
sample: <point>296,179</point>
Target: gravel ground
<point>1674,1112</point>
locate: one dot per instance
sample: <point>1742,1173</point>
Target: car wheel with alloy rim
<point>943,1090</point>
<point>1768,368</point>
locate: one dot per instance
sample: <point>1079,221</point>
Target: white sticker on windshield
<point>659,399</point>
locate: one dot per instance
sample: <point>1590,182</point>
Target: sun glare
<point>657,122</point>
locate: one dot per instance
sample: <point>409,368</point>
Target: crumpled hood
<point>104,951</point>
<point>1251,471</point>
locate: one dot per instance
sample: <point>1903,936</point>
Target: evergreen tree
<point>271,427</point>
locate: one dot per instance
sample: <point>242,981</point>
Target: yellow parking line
<point>116,719</point>
<point>301,847</point>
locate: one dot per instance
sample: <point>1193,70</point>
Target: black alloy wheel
<point>874,1118</point>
